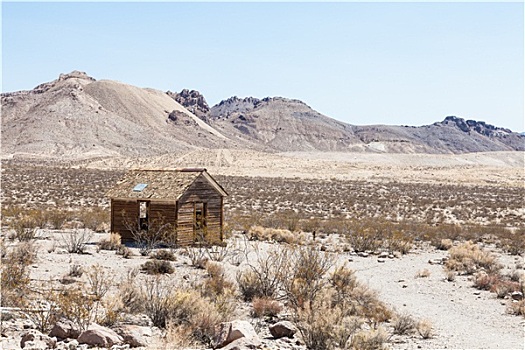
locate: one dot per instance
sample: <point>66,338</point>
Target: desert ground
<point>419,251</point>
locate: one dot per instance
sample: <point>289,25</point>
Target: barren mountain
<point>77,117</point>
<point>288,125</point>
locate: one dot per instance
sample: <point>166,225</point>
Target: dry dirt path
<point>463,317</point>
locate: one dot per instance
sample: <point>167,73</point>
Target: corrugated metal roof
<point>161,184</point>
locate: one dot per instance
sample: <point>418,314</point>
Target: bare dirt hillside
<point>77,117</point>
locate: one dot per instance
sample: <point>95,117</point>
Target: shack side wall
<point>200,191</point>
<point>125,213</point>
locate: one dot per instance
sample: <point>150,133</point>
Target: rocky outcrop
<point>193,101</point>
<point>474,126</point>
<point>282,329</point>
<point>97,335</point>
<point>64,329</point>
<point>241,331</point>
<point>33,339</point>
<point>135,336</point>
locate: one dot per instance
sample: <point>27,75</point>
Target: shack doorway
<point>199,221</point>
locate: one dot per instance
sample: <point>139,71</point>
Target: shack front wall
<point>201,191</point>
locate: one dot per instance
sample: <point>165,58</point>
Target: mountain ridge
<point>78,116</point>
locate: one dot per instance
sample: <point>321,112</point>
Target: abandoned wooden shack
<point>184,204</point>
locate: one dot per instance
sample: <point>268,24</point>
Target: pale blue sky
<point>362,63</point>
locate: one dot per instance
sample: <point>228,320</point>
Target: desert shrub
<point>75,270</point>
<point>154,295</point>
<point>423,273</point>
<point>517,308</point>
<point>216,282</point>
<point>316,323</point>
<point>467,258</point>
<point>113,242</point>
<point>450,276</point>
<point>94,218</point>
<point>124,251</point>
<point>15,282</point>
<point>156,267</point>
<point>165,304</point>
<point>99,281</point>
<point>76,240</point>
<point>404,324</point>
<point>424,329</point>
<point>43,312</point>
<point>250,285</point>
<point>302,277</point>
<point>444,244</point>
<point>504,287</point>
<point>112,311</point>
<point>343,281</point>
<point>198,256</point>
<point>57,218</point>
<point>130,293</point>
<point>366,235</point>
<point>485,281</point>
<point>178,337</point>
<point>76,305</point>
<point>259,233</point>
<point>263,277</point>
<point>265,307</point>
<point>163,255</point>
<point>373,339</point>
<point>218,252</point>
<point>24,228</point>
<point>159,231</point>
<point>25,253</point>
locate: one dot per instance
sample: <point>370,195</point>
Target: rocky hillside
<point>76,116</point>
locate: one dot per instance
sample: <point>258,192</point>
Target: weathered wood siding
<point>200,191</point>
<point>124,212</point>
<point>181,214</point>
<point>161,213</point>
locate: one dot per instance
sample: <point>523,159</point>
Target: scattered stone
<point>97,335</point>
<point>381,260</point>
<point>240,344</point>
<point>64,328</point>
<point>477,293</point>
<point>232,331</point>
<point>383,255</point>
<point>391,256</point>
<point>35,340</point>
<point>282,329</point>
<point>435,261</point>
<point>134,335</point>
<point>516,295</point>
<point>363,254</point>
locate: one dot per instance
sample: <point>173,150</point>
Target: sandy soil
<point>492,168</point>
<point>463,317</point>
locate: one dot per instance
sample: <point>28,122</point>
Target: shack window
<point>143,215</point>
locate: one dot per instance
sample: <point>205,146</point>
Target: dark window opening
<point>143,215</point>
